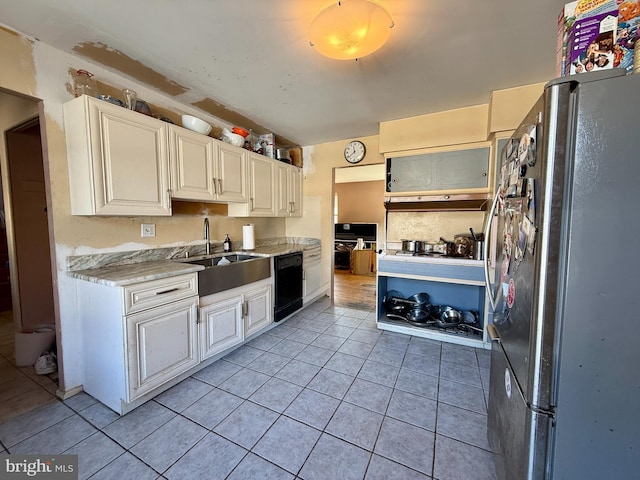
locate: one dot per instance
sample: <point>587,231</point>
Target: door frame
<point>39,117</point>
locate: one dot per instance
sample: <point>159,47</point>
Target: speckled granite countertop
<point>127,274</point>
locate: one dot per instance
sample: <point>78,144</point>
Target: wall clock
<point>355,151</point>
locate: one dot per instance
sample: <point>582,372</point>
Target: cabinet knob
<point>484,174</point>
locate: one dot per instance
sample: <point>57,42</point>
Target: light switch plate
<point>148,229</point>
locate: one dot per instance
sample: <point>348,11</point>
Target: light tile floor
<point>324,395</point>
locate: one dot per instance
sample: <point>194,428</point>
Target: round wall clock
<point>355,151</point>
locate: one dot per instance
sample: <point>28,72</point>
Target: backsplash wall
<point>430,226</point>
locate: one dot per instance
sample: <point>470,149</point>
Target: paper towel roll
<point>248,239</point>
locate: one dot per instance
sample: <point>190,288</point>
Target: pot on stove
<point>409,245</point>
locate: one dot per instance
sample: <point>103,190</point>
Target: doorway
<point>24,219</point>
<point>358,197</point>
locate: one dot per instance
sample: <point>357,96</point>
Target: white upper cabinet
<point>288,191</point>
<point>262,183</point>
<point>118,160</point>
<point>231,172</point>
<point>295,191</point>
<point>205,169</point>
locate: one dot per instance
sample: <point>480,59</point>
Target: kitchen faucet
<point>206,236</point>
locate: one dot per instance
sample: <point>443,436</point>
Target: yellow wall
<point>452,127</point>
<point>361,202</point>
<point>317,219</point>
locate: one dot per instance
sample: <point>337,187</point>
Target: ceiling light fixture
<point>350,29</point>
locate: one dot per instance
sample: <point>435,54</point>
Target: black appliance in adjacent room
<point>288,284</point>
<point>346,237</point>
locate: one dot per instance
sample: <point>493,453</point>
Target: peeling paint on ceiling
<point>117,60</point>
<point>217,109</point>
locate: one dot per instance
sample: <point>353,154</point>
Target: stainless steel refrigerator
<point>563,275</point>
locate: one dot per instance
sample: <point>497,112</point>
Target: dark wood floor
<point>354,291</point>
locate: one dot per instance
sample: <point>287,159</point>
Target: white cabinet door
<point>192,165</point>
<point>283,204</point>
<point>118,160</point>
<point>312,279</point>
<point>231,173</point>
<point>162,343</point>
<point>221,326</point>
<point>288,191</point>
<point>295,191</point>
<point>206,169</point>
<point>262,184</point>
<point>258,310</point>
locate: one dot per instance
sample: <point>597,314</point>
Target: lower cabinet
<point>258,310</point>
<point>137,338</point>
<point>311,274</point>
<point>140,339</point>
<point>221,326</point>
<point>161,343</point>
<point>228,318</point>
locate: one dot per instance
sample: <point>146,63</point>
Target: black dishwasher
<point>288,284</point>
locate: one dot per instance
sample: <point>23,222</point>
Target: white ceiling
<point>253,56</point>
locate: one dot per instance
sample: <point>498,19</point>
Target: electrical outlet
<point>148,229</point>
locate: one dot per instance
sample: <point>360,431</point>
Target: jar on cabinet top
<point>84,84</point>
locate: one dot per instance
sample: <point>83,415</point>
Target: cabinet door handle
<point>220,186</point>
<point>169,197</point>
<point>252,206</point>
<point>168,291</point>
<point>245,309</point>
<point>215,188</point>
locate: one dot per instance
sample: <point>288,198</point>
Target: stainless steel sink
<point>241,270</point>
<point>213,261</point>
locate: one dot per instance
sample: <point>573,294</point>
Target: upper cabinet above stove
<point>453,178</point>
<point>432,171</point>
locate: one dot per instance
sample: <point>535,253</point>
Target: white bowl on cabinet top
<point>195,124</point>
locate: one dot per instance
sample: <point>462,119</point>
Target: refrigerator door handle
<point>487,229</point>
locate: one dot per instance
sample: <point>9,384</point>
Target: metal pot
<point>409,245</point>
<point>449,317</point>
<point>419,299</point>
<point>449,247</point>
<point>417,315</point>
<point>421,246</point>
<point>283,154</point>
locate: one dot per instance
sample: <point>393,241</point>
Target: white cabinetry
<point>258,312</point>
<point>262,179</point>
<point>221,326</point>
<point>118,160</point>
<point>311,274</point>
<point>137,338</point>
<point>161,343</point>
<point>206,169</point>
<point>228,318</point>
<point>288,191</point>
